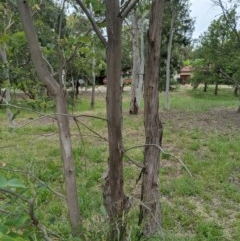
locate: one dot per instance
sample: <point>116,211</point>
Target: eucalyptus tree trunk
<point>114,199</point>
<point>150,213</point>
<point>115,206</point>
<point>3,54</point>
<point>134,105</point>
<point>6,24</point>
<point>60,97</point>
<point>142,63</point>
<point>93,78</point>
<point>138,63</point>
<point>169,54</point>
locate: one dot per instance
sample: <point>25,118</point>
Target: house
<point>185,74</point>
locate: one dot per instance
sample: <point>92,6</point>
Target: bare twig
<point>105,139</point>
<point>8,191</point>
<point>163,151</point>
<point>91,116</point>
<point>132,161</point>
<point>24,108</point>
<point>5,212</point>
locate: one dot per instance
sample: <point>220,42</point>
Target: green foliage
<point>217,50</point>
<point>11,183</point>
<point>8,238</point>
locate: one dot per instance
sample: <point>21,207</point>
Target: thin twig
<point>132,161</point>
<point>105,139</point>
<point>5,212</point>
<point>163,151</point>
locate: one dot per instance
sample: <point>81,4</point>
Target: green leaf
<point>15,183</point>
<point>3,181</point>
<point>19,38</point>
<point>7,238</point>
<point>3,228</point>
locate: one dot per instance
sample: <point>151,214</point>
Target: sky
<point>203,11</point>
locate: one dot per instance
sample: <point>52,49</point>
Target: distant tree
<point>180,30</point>
<point>177,14</point>
<point>218,48</point>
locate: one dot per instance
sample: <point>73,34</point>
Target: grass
<point>200,129</point>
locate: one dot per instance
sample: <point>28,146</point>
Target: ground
<point>200,201</point>
<point>218,119</point>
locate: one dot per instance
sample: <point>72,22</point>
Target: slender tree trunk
<point>150,214</point>
<point>3,54</point>
<point>115,203</point>
<point>142,63</point>
<point>136,65</point>
<point>59,96</point>
<point>236,90</point>
<point>93,78</point>
<point>169,54</point>
<point>205,87</point>
<point>216,88</point>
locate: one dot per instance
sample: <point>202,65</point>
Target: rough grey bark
<point>150,214</point>
<point>60,98</point>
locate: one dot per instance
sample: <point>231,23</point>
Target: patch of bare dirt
<point>219,119</point>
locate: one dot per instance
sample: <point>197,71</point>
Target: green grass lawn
<point>200,200</point>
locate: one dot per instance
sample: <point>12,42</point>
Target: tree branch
<point>128,6</point>
<point>92,21</point>
<point>227,17</point>
<point>36,55</point>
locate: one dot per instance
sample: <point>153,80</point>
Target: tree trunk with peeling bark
<point>60,97</point>
<point>150,213</point>
<point>136,65</point>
